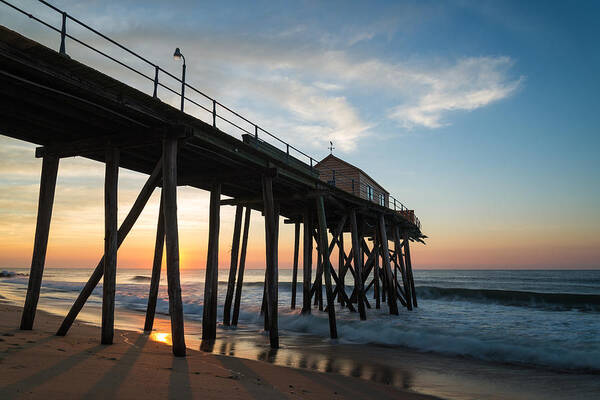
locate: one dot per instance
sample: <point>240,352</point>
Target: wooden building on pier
<point>352,179</point>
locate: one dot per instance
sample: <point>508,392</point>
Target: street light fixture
<point>179,56</point>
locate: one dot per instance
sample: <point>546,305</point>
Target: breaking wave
<point>553,301</point>
<point>140,278</point>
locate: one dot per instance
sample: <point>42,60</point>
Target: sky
<point>482,116</point>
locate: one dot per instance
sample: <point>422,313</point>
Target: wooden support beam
<point>338,231</point>
<point>295,263</point>
<point>392,257</point>
<point>264,312</point>
<point>172,244</point>
<point>343,294</point>
<point>258,200</point>
<point>159,246</point>
<point>233,176</point>
<point>143,137</point>
<point>400,296</point>
<point>318,284</point>
<point>391,293</point>
<point>334,240</point>
<point>367,267</point>
<point>111,186</point>
<point>264,308</point>
<point>365,248</point>
<point>271,250</point>
<point>377,289</point>
<point>126,226</point>
<point>94,145</point>
<point>358,278</point>
<point>400,258</point>
<point>341,268</point>
<point>40,244</point>
<point>307,256</point>
<point>240,278</point>
<point>211,280</point>
<point>235,247</point>
<point>326,263</point>
<point>409,269</point>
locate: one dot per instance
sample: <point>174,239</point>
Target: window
<point>369,192</point>
<point>382,199</point>
<point>332,181</point>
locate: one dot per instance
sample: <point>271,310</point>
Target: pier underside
<point>70,109</point>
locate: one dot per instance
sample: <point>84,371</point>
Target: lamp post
<point>178,56</point>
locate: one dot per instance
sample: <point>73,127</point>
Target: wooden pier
<point>70,109</point>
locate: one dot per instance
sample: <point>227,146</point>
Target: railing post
<point>155,81</point>
<point>63,33</point>
<point>394,204</point>
<point>214,113</point>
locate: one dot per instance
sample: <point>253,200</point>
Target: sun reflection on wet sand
<point>161,337</point>
<point>302,356</point>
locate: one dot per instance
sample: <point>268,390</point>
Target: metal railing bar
<point>109,57</point>
<point>162,85</point>
<point>30,15</point>
<point>198,104</point>
<point>235,113</point>
<point>232,123</point>
<point>98,33</point>
<point>196,90</point>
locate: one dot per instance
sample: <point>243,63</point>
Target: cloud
<point>314,116</point>
<point>470,84</point>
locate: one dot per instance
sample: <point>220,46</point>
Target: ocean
<point>541,321</point>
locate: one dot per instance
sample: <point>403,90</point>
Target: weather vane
<point>331,147</point>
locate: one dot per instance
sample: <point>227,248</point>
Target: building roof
<point>331,156</point>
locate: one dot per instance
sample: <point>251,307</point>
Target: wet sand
<point>38,364</point>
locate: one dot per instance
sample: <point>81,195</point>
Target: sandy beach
<point>38,364</point>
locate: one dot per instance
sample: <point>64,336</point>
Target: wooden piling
<point>172,244</point>
<point>306,261</point>
<point>358,278</point>
<point>111,186</point>
<point>235,247</point>
<point>295,265</point>
<point>240,278</point>
<point>211,281</point>
<point>400,258</point>
<point>385,257</point>
<point>409,269</point>
<point>271,258</point>
<point>326,265</point>
<point>40,244</point>
<point>126,226</point>
<point>156,267</point>
<point>319,279</point>
<point>341,268</point>
<point>376,288</point>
